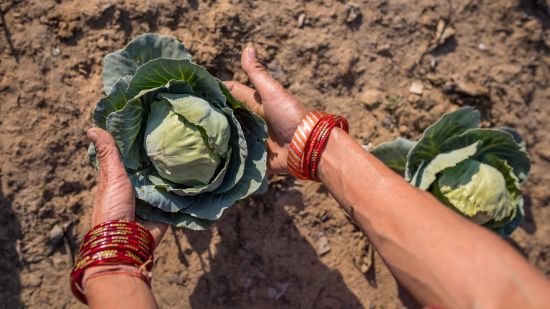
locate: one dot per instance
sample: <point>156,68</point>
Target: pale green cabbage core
<point>186,148</point>
<point>478,190</point>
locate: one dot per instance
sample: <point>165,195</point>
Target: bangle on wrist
<point>122,247</point>
<point>309,141</point>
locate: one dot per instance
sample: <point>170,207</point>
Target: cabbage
<point>474,171</point>
<point>190,149</point>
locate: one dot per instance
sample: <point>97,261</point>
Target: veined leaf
<point>125,125</point>
<point>113,102</point>
<point>427,175</point>
<point>493,142</point>
<point>140,50</point>
<point>177,219</point>
<point>449,125</point>
<point>158,72</point>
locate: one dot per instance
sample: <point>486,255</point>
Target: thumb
<point>263,82</point>
<point>115,196</point>
<point>108,156</point>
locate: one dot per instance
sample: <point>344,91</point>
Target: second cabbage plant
<point>475,171</point>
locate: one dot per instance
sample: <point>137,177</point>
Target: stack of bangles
<point>126,245</point>
<point>309,141</point>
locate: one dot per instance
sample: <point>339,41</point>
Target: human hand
<point>282,111</point>
<point>115,195</point>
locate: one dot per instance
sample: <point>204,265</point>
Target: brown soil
<point>291,247</point>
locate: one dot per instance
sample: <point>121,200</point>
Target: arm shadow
<point>262,260</point>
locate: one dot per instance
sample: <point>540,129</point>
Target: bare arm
<point>440,257</point>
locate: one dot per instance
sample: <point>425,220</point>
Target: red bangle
<point>298,143</point>
<point>309,141</point>
<point>123,239</point>
<point>321,142</point>
<point>116,242</point>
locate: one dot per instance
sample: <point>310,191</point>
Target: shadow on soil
<point>10,231</point>
<point>264,261</point>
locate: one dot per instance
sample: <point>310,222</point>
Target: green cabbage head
<point>190,149</point>
<point>474,171</point>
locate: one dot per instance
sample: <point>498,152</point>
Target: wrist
<point>309,142</point>
<point>113,247</point>
<point>118,290</point>
<point>327,159</point>
<point>91,273</point>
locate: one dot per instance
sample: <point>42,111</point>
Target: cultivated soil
<point>391,67</point>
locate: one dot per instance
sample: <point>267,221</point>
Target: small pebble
<point>416,88</point>
<point>301,20</point>
<point>323,246</point>
<point>56,235</point>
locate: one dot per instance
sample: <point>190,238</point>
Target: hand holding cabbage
<point>190,149</point>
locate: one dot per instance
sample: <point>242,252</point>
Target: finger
<point>110,164</point>
<point>247,95</point>
<point>157,229</point>
<point>115,196</point>
<point>263,82</point>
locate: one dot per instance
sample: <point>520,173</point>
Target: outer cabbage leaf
<point>428,146</point>
<point>494,142</point>
<point>394,153</point>
<point>156,195</point>
<point>140,50</point>
<point>427,173</point>
<point>158,72</point>
<point>177,219</point>
<point>517,137</point>
<point>114,101</point>
<point>239,153</point>
<point>253,123</point>
<point>125,126</point>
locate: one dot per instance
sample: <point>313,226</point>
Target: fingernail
<point>251,52</point>
<point>92,135</point>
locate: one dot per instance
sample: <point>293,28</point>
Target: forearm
<point>119,291</point>
<point>440,257</point>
